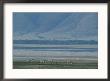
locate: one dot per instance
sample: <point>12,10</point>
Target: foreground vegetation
<point>55,65</point>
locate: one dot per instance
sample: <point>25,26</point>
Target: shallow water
<point>81,53</point>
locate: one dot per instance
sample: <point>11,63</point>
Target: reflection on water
<point>79,53</point>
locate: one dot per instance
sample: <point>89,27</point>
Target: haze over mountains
<point>53,26</point>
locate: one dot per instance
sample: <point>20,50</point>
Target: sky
<point>55,25</point>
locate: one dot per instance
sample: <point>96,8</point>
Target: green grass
<point>54,65</point>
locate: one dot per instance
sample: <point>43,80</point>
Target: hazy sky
<point>51,23</point>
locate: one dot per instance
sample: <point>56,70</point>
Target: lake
<point>55,54</point>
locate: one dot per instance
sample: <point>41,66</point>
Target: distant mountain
<point>55,42</point>
<point>51,26</point>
